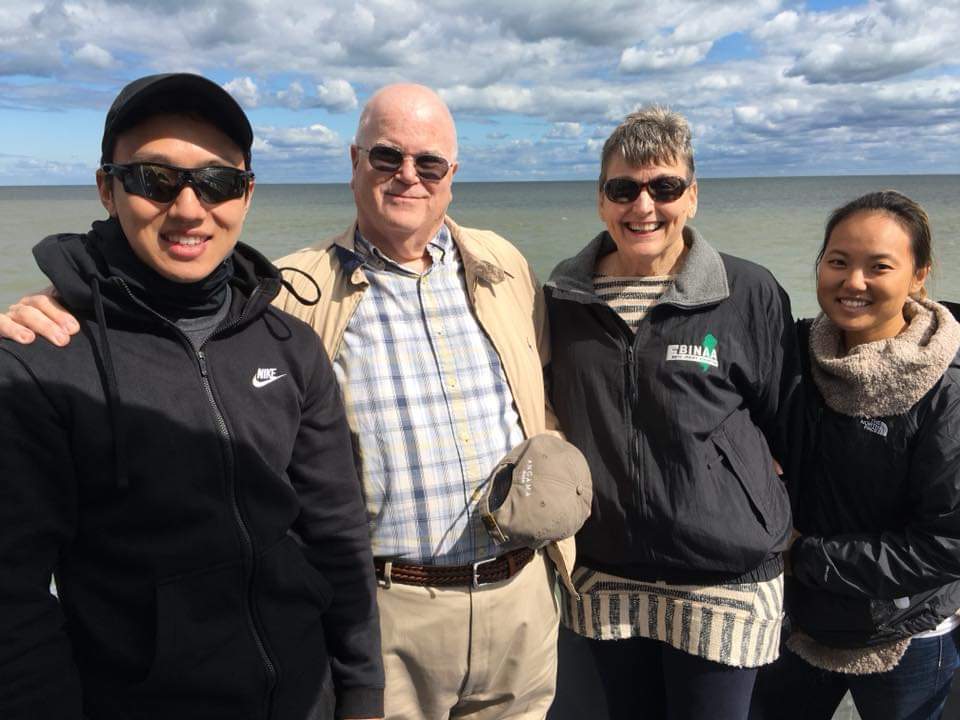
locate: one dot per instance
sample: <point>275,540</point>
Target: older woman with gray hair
<point>671,362</point>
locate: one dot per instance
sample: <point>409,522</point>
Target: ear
<point>919,278</point>
<point>248,198</point>
<point>692,190</point>
<point>354,160</point>
<point>105,191</point>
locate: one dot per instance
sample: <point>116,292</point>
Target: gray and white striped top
<point>631,297</point>
<point>736,624</point>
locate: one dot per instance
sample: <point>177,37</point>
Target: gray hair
<point>653,134</point>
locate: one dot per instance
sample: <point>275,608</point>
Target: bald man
<point>436,333</point>
<point>437,337</point>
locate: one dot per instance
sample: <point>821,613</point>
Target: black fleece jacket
<point>677,420</point>
<point>199,509</point>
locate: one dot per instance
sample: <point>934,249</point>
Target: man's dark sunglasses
<point>664,188</point>
<point>163,183</point>
<point>387,159</point>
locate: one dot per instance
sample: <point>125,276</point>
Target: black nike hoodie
<point>199,509</point>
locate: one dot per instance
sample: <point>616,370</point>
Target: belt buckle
<point>476,572</point>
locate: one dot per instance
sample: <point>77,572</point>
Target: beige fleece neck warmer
<point>885,377</point>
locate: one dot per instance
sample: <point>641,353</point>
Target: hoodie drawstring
<point>113,392</point>
<point>289,286</point>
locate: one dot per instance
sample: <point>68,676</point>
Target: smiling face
<point>399,211</point>
<point>186,239</point>
<point>648,234</point>
<point>865,276</point>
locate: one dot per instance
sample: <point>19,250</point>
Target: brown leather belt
<point>475,575</point>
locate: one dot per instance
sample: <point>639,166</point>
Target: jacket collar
<point>478,261</point>
<point>702,279</point>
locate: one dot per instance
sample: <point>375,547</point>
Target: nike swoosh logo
<point>264,383</point>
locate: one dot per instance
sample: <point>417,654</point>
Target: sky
<point>771,87</point>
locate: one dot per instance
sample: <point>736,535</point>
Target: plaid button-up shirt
<point>428,400</point>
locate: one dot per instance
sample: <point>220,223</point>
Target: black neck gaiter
<point>173,300</point>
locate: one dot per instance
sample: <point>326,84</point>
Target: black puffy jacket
<point>200,512</point>
<point>878,504</point>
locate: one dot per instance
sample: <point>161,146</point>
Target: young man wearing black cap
<point>183,468</point>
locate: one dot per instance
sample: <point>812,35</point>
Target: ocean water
<point>777,222</point>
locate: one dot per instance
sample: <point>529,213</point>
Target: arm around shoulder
<point>38,314</point>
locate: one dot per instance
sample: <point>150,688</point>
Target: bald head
<point>413,105</point>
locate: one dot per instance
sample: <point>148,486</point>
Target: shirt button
<point>451,383</point>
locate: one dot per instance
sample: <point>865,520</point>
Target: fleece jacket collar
<point>702,279</point>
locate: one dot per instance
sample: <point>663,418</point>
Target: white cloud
<point>565,130</point>
<point>640,59</point>
<point>292,97</point>
<point>865,43</point>
<point>336,95</point>
<point>95,56</point>
<point>313,136</point>
<point>244,90</point>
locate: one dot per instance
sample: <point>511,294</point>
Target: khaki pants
<point>463,653</point>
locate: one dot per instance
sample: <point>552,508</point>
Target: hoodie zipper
<point>227,441</point>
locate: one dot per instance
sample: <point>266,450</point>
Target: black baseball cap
<point>176,93</point>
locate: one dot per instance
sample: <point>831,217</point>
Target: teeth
<point>853,302</point>
<point>185,239</point>
<point>643,227</point>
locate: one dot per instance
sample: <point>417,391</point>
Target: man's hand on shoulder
<point>38,314</point>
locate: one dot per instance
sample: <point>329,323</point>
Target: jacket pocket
<point>729,458</point>
<point>203,640</point>
<point>747,456</point>
<point>292,596</point>
<point>754,513</point>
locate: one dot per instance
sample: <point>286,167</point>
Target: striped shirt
<point>429,405</point>
<point>735,624</point>
<point>631,297</point>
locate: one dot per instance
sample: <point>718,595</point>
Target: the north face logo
<point>875,426</point>
<point>704,354</point>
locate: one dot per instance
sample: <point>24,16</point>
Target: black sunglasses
<point>163,183</point>
<point>663,188</point>
<point>387,159</point>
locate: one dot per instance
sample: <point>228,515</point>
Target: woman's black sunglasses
<point>163,183</point>
<point>664,188</point>
<point>387,159</point>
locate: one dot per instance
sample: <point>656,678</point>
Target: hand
<point>38,314</point>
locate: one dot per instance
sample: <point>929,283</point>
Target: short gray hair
<point>653,134</point>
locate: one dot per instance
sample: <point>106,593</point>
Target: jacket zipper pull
<point>202,359</point>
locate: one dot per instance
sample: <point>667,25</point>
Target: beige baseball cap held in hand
<point>540,492</point>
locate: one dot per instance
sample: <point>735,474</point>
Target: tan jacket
<point>506,299</point>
